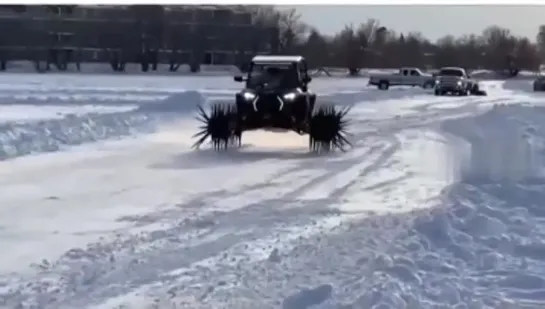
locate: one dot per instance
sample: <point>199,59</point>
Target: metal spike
<point>217,127</point>
<point>329,118</point>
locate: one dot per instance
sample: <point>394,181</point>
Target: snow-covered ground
<point>104,205</point>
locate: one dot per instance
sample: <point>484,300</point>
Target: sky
<point>433,21</point>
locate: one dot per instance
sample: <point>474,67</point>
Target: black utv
<point>276,96</point>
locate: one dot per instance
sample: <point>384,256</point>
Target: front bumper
<point>539,87</point>
<point>450,87</point>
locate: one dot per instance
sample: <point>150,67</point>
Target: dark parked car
<point>539,83</point>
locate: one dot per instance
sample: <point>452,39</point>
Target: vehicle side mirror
<point>307,79</point>
<point>238,78</point>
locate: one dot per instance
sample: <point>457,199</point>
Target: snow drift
<point>482,246</point>
<point>503,144</point>
<point>18,138</point>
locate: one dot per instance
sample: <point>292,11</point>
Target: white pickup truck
<point>455,80</point>
<point>405,77</point>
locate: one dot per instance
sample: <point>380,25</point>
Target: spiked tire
<point>221,126</point>
<point>328,129</point>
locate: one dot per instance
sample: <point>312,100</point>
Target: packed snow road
<point>426,211</point>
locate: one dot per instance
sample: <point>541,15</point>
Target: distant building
<point>165,34</point>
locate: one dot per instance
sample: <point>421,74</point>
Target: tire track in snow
<point>380,159</point>
<point>368,266</point>
<point>109,269</point>
<point>396,125</point>
<point>104,270</point>
<point>223,267</point>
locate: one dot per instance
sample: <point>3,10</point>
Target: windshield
<point>451,72</point>
<point>270,75</point>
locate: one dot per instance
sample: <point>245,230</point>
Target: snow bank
<point>179,103</point>
<point>520,85</point>
<point>70,89</point>
<point>504,144</point>
<point>492,75</point>
<point>483,245</point>
<point>481,249</point>
<point>19,113</point>
<point>62,97</point>
<point>18,138</point>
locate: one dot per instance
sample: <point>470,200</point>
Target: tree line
<point>371,44</point>
<point>152,38</point>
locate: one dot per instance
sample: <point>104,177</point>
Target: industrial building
<point>147,34</point>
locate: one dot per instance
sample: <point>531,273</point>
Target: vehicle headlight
<point>248,96</point>
<point>289,96</point>
<point>459,83</point>
<point>437,82</point>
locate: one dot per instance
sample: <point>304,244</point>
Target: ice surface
<point>438,205</point>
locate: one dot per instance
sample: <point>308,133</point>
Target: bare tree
<point>349,49</point>
<point>540,39</point>
<point>526,54</point>
<point>317,49</point>
<point>292,30</point>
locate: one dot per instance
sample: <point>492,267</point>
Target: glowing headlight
<point>248,96</point>
<point>437,82</point>
<point>459,83</point>
<point>289,96</point>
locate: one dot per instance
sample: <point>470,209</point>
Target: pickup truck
<point>405,77</point>
<point>455,80</point>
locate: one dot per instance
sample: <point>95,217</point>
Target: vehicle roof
<point>453,68</point>
<point>277,59</point>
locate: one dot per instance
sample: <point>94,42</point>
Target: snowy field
<point>104,206</point>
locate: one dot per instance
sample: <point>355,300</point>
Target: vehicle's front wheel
<point>428,85</point>
<point>301,110</point>
<point>383,85</point>
<point>328,129</point>
<point>474,90</point>
<point>221,126</point>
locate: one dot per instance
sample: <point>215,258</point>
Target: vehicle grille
<point>451,83</point>
<point>267,103</point>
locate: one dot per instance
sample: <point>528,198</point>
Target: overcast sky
<point>432,21</point>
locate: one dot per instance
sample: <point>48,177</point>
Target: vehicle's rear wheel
<point>383,85</point>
